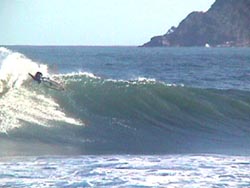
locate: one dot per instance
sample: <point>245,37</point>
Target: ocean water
<point>128,117</point>
<point>126,171</point>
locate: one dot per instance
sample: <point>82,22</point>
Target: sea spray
<point>21,101</point>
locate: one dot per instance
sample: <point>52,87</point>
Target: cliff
<point>226,23</point>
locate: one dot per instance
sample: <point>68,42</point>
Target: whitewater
<point>147,117</point>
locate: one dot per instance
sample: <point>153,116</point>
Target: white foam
<point>143,79</point>
<point>18,104</point>
<point>14,68</point>
<point>124,171</point>
<point>74,74</point>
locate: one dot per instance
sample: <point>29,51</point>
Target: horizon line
<point>70,45</point>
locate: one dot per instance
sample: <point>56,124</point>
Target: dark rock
<point>226,23</point>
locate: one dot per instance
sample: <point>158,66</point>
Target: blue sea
<point>127,117</point>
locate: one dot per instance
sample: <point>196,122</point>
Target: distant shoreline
<point>125,46</point>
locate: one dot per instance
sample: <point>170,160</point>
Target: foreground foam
<point>126,171</point>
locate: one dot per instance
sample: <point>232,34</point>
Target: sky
<point>91,22</point>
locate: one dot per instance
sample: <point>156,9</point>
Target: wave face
<point>100,116</point>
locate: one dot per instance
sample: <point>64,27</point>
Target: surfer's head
<point>38,77</point>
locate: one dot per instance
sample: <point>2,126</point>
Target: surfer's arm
<point>35,78</point>
<point>32,76</point>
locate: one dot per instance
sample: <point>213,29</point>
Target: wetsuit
<point>37,77</point>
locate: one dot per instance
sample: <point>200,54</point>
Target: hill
<point>226,23</point>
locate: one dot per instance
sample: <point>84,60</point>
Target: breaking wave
<point>95,115</point>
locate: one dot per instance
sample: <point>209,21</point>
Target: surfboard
<point>52,84</point>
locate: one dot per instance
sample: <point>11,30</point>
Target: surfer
<point>46,81</point>
<point>38,77</point>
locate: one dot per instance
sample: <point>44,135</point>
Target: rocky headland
<point>225,24</point>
